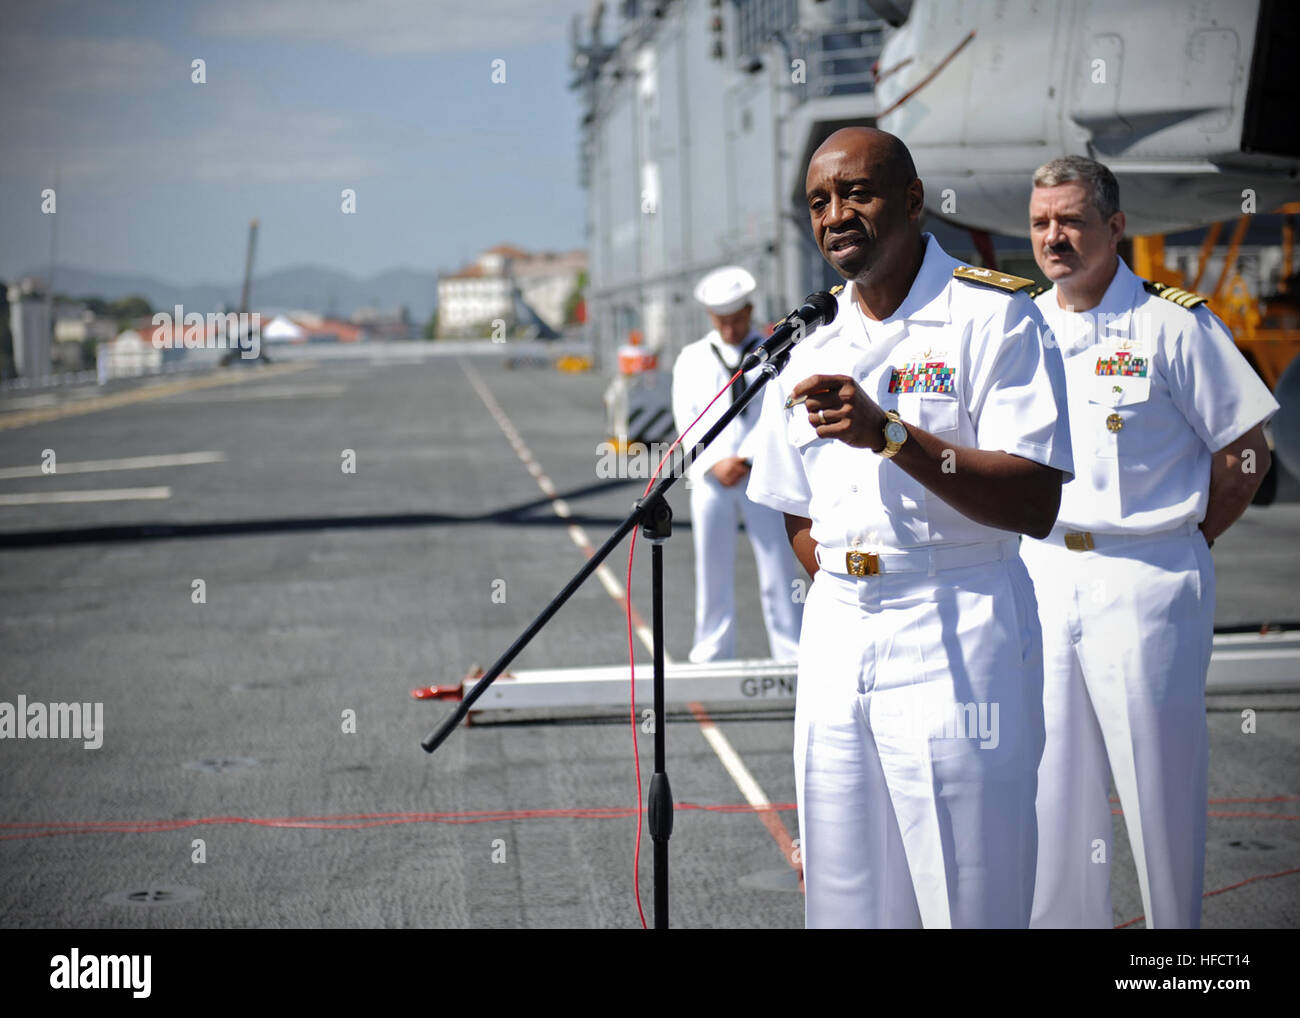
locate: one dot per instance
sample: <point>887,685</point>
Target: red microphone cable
<point>631,658</point>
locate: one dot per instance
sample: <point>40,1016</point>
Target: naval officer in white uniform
<point>718,500</point>
<point>933,433</point>
<point>1166,418</point>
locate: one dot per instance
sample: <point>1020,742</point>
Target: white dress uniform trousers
<point>1125,587</point>
<point>1127,632</point>
<point>917,732</point>
<point>918,726</point>
<point>716,515</point>
<point>717,512</point>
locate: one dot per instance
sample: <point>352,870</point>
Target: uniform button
<point>853,488</point>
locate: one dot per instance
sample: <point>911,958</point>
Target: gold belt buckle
<point>1077,540</point>
<point>862,563</point>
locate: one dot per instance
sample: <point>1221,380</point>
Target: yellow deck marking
<point>93,405</point>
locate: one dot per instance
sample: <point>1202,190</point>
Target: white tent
<point>282,329</point>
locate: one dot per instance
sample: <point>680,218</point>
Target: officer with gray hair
<point>1166,423</point>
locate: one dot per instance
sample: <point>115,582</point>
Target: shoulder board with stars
<point>991,277</point>
<point>1183,298</point>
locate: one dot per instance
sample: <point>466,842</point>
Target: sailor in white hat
<point>718,479</point>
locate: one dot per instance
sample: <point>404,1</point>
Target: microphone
<point>817,309</point>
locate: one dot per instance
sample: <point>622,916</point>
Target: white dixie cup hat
<point>726,290</point>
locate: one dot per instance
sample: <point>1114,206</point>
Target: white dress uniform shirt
<point>918,718</point>
<point>701,369</point>
<point>1175,388</point>
<point>1127,600</point>
<point>993,388</point>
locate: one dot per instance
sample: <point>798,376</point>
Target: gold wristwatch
<point>895,434</point>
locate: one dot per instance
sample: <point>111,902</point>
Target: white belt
<point>926,559</point>
<point>1086,540</point>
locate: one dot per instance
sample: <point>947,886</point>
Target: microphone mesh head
<point>826,304</point>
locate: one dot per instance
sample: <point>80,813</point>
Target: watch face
<point>895,432</point>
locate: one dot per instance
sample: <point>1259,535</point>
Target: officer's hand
<point>838,408</point>
<point>730,471</point>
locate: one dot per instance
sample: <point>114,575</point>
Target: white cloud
<point>241,136</point>
<point>274,146</point>
<point>397,26</point>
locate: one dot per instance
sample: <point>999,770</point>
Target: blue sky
<point>393,98</point>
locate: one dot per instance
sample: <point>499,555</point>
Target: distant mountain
<point>309,287</point>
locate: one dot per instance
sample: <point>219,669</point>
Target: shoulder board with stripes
<point>991,277</point>
<point>1183,298</point>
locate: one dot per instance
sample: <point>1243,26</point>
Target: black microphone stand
<point>655,517</point>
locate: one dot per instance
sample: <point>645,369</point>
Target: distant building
<point>130,355</point>
<point>152,346</point>
<point>334,330</point>
<point>29,324</point>
<point>384,325</point>
<point>478,294</point>
<point>547,282</point>
<point>309,327</point>
<point>491,288</point>
<point>75,325</point>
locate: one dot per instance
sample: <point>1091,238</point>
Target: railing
<point>840,60</point>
